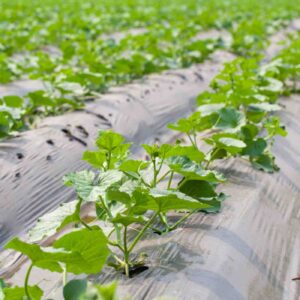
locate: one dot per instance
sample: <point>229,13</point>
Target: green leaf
<point>75,289</point>
<point>217,153</point>
<point>255,147</point>
<point>231,145</point>
<point>192,171</point>
<point>267,107</point>
<point>82,251</point>
<point>129,186</point>
<point>39,99</point>
<point>88,187</point>
<point>265,163</point>
<point>2,286</point>
<point>226,141</point>
<point>192,124</point>
<point>83,182</point>
<point>52,222</point>
<point>189,151</point>
<point>273,85</point>
<point>209,109</point>
<point>115,194</point>
<point>158,200</point>
<point>95,158</point>
<point>210,102</point>
<point>198,189</point>
<point>112,146</point>
<point>133,166</point>
<point>13,101</point>
<point>44,258</point>
<point>91,247</point>
<point>164,201</point>
<point>126,220</point>
<point>18,293</point>
<point>229,118</point>
<point>274,127</point>
<point>5,75</point>
<point>108,178</point>
<point>157,151</point>
<point>182,125</point>
<point>203,191</point>
<point>249,132</point>
<point>81,289</point>
<point>73,103</point>
<point>6,123</point>
<point>109,140</point>
<point>108,291</point>
<point>104,182</point>
<point>255,115</point>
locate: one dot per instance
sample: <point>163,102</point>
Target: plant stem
<point>144,182</point>
<point>65,275</point>
<point>160,166</point>
<point>111,232</point>
<point>195,141</point>
<point>154,173</point>
<point>170,180</point>
<point>191,140</point>
<point>207,164</point>
<point>85,225</point>
<point>141,178</point>
<point>117,228</point>
<point>181,183</point>
<point>141,233</point>
<point>181,220</point>
<point>26,282</point>
<point>156,230</point>
<point>211,156</point>
<point>120,261</point>
<point>114,244</point>
<point>164,220</point>
<point>108,160</point>
<point>164,176</point>
<point>126,253</point>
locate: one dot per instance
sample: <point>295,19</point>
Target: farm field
<point>149,149</point>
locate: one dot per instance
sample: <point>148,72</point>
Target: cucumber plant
<point>238,111</point>
<point>285,66</point>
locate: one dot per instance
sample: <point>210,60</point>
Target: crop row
<point>64,47</point>
<point>131,196</point>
